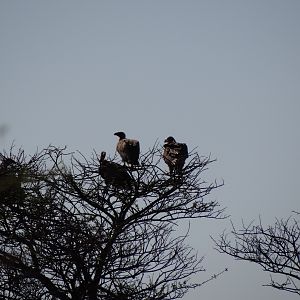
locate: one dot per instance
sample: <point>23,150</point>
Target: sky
<point>222,76</point>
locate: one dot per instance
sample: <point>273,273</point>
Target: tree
<point>68,235</point>
<point>275,248</point>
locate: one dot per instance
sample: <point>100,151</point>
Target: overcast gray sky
<point>223,76</point>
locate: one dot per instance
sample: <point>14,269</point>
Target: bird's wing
<point>184,153</point>
<point>132,149</point>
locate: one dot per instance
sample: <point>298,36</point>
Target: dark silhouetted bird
<point>174,154</point>
<point>114,174</point>
<point>128,149</point>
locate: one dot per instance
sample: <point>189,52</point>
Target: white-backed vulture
<point>128,149</point>
<point>114,174</point>
<point>174,154</point>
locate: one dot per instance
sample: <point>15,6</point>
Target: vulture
<point>114,174</point>
<point>174,154</point>
<point>128,149</point>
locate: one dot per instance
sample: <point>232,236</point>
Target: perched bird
<point>174,154</point>
<point>128,149</point>
<point>114,174</point>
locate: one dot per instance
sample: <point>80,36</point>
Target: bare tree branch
<point>67,235</point>
<point>275,248</point>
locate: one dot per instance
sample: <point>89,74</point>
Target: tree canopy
<point>67,234</point>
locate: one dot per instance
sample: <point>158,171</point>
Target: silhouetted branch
<point>69,235</point>
<point>275,248</point>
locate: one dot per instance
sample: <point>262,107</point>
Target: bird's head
<point>102,156</point>
<point>170,140</point>
<point>120,134</point>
